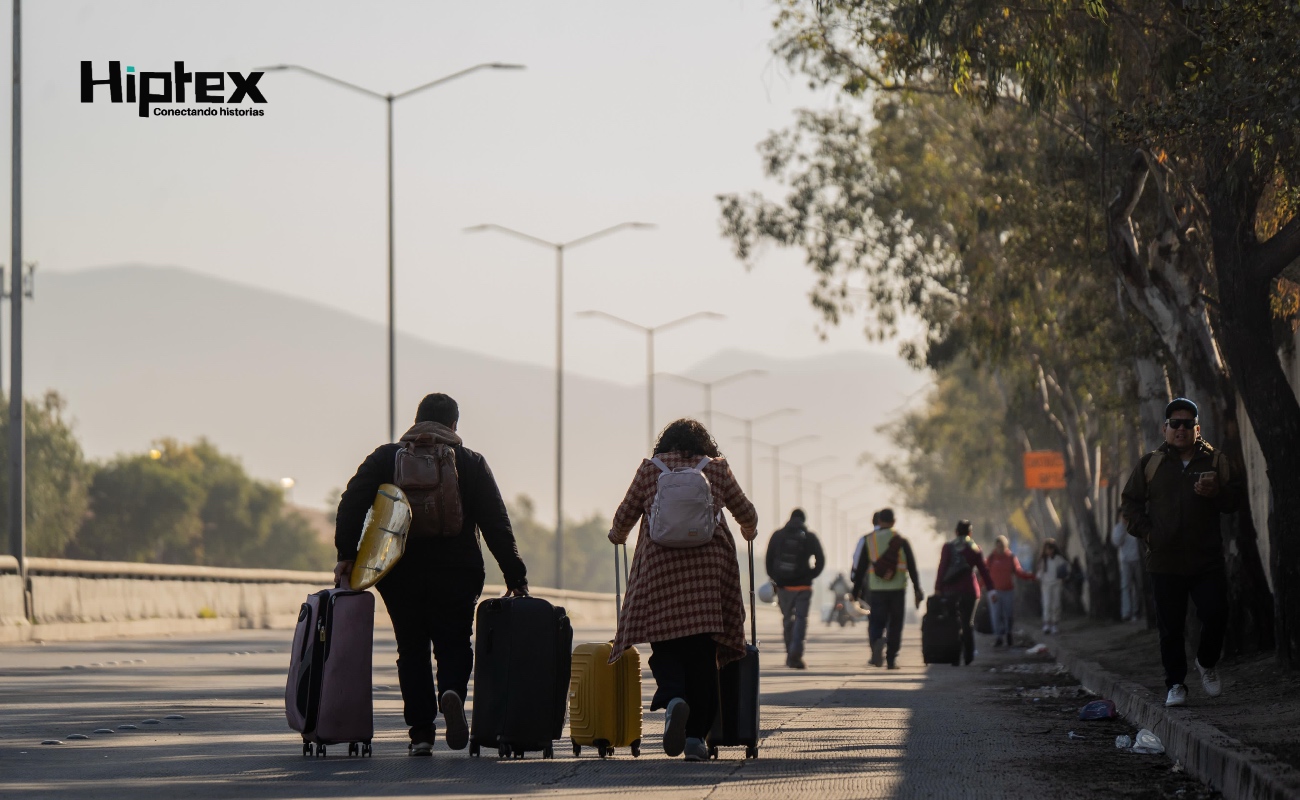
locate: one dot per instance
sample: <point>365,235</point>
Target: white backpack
<point>682,514</point>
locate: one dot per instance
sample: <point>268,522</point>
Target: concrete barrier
<point>97,599</point>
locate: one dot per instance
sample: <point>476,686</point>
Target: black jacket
<point>1180,527</point>
<point>795,535</point>
<point>452,555</point>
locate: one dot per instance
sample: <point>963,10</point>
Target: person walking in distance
<point>684,600</point>
<point>959,562</point>
<point>1052,570</point>
<point>882,564</point>
<point>1172,502</point>
<point>1004,568</point>
<point>1130,571</point>
<point>431,592</point>
<point>788,555</point>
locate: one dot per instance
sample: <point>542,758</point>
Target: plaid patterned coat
<point>675,592</point>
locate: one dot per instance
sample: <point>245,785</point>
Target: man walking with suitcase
<point>431,593</point>
<point>788,555</point>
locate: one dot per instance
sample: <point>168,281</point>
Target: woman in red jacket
<point>1004,568</point>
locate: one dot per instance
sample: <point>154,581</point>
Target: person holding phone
<point>1172,502</point>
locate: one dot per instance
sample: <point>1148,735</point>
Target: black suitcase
<point>522,652</point>
<point>983,617</point>
<point>940,631</point>
<point>736,724</point>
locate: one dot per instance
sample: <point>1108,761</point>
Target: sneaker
<point>891,665</point>
<point>675,727</point>
<point>420,749</point>
<point>877,652</point>
<point>453,713</point>
<point>1047,628</point>
<point>1055,630</point>
<point>1177,695</point>
<point>795,662</point>
<point>1209,680</point>
<point>696,750</point>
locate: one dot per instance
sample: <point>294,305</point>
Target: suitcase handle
<point>618,602</point>
<point>753,622</point>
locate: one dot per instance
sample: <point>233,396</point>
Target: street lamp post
<point>798,476</point>
<point>559,248</point>
<point>650,332</point>
<point>838,518</point>
<point>749,423</point>
<point>389,99</point>
<point>776,467</point>
<point>708,388</point>
<point>820,487</point>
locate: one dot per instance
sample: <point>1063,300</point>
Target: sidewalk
<point>1245,742</point>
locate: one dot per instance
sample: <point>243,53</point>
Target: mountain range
<point>298,390</point>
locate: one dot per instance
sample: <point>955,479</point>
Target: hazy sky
<point>625,112</point>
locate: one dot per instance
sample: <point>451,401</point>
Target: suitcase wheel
<point>713,752</point>
<point>609,751</point>
<point>320,751</point>
<point>603,748</point>
<point>751,751</point>
<point>365,749</point>
<point>548,751</point>
<point>307,749</point>
<point>636,749</point>
<point>503,751</point>
<point>354,749</point>
<point>473,749</point>
<point>577,749</point>
<point>519,752</point>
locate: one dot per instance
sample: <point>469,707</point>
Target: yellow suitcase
<point>604,698</point>
<point>383,537</point>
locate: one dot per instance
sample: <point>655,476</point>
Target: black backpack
<point>791,557</point>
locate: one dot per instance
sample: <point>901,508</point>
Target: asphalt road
<point>837,730</point>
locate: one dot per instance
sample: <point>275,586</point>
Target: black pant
<point>687,668</point>
<point>887,609</point>
<point>429,606</point>
<point>966,616</point>
<point>1209,591</point>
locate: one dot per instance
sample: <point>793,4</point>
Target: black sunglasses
<point>1181,423</point>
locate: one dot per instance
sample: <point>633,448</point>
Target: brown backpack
<point>426,471</point>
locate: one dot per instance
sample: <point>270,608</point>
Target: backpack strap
<point>1153,464</point>
<point>661,465</point>
<point>704,462</point>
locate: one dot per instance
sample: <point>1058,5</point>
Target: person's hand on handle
<point>615,537</point>
<point>750,534</point>
<point>343,574</point>
<point>518,591</point>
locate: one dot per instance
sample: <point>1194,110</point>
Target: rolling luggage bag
<point>983,617</point>
<point>940,631</point>
<point>604,698</point>
<point>328,695</point>
<point>522,647</point>
<point>736,724</point>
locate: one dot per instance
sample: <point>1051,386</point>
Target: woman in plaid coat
<point>686,602</point>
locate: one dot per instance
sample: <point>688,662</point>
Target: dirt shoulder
<point>1260,704</point>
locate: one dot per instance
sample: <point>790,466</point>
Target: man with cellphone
<point>1172,502</point>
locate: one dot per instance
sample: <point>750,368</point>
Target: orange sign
<point>1044,469</point>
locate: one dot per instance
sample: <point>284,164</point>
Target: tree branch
<point>1281,250</point>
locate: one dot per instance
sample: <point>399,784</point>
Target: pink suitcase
<point>328,695</point>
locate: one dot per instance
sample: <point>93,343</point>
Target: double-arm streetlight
<point>820,487</point>
<point>559,248</point>
<point>708,388</point>
<point>650,331</point>
<point>389,99</point>
<point>749,423</point>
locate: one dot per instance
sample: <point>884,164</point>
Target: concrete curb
<point>1239,771</point>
